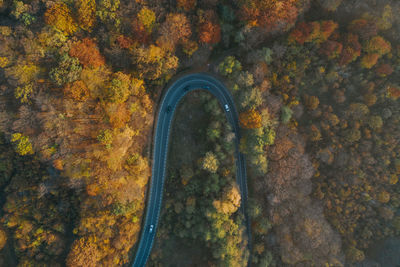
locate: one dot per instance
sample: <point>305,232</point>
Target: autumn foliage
<point>319,117</point>
<point>384,70</point>
<point>270,14</point>
<point>209,33</point>
<point>351,49</point>
<point>331,49</point>
<point>175,29</point>
<point>187,5</point>
<point>77,90</point>
<point>363,28</point>
<point>369,60</point>
<point>86,10</point>
<point>124,42</point>
<point>250,119</point>
<point>316,32</point>
<point>377,45</point>
<point>87,52</point>
<point>60,16</point>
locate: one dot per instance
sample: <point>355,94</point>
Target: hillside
<point>317,87</point>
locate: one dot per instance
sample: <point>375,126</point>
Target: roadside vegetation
<point>201,205</point>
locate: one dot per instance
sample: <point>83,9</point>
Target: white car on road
<point>151,228</point>
<point>226,107</point>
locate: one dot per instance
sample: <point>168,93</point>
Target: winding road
<point>169,103</point>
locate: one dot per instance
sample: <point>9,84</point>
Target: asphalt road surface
<point>169,103</point>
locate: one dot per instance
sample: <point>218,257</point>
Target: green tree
<point>229,65</point>
<point>148,18</point>
<point>354,254</point>
<point>119,88</point>
<point>286,114</point>
<point>68,70</point>
<point>254,208</point>
<point>105,137</point>
<point>107,13</point>
<point>375,122</point>
<point>352,135</point>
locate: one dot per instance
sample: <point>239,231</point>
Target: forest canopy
<point>317,90</point>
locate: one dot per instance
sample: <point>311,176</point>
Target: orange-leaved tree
<point>270,14</point>
<point>77,90</point>
<point>175,29</point>
<point>209,29</point>
<point>187,5</point>
<point>250,119</point>
<point>87,52</point>
<point>316,31</point>
<point>143,25</point>
<point>351,50</point>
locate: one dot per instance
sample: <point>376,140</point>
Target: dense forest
<point>317,87</point>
